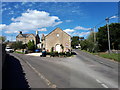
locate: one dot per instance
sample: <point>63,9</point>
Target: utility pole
<point>107,21</point>
<point>94,35</point>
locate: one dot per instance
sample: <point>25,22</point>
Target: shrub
<point>56,54</point>
<point>31,46</point>
<point>62,54</point>
<point>52,54</point>
<point>68,54</point>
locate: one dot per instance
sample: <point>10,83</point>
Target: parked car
<point>38,50</point>
<point>8,49</point>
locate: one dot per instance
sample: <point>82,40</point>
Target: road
<point>81,71</point>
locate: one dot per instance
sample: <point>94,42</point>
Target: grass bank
<point>19,52</point>
<point>113,56</point>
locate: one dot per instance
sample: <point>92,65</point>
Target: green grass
<point>19,52</point>
<point>113,56</point>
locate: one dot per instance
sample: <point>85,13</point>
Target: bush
<point>63,54</point>
<point>31,46</point>
<point>52,54</point>
<point>56,54</point>
<point>47,53</point>
<point>68,54</point>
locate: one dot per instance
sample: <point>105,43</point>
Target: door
<point>58,48</point>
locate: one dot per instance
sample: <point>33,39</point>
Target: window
<point>31,36</point>
<point>58,35</point>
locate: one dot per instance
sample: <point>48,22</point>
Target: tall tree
<point>31,45</point>
<point>102,37</point>
<point>18,45</point>
<point>2,38</point>
<point>75,41</point>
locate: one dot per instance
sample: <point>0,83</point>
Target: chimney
<point>20,32</point>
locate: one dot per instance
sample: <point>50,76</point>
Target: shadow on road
<point>13,75</point>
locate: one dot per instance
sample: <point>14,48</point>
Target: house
<point>25,38</point>
<point>59,40</point>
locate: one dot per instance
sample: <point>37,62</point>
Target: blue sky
<point>75,18</point>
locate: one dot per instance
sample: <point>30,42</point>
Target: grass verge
<point>19,52</point>
<point>113,56</point>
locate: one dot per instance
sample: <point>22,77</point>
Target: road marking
<point>51,85</point>
<point>98,81</point>
<point>105,86</point>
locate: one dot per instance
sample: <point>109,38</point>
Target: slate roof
<point>25,35</point>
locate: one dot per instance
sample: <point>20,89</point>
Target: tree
<point>93,44</point>
<point>75,41</point>
<point>3,38</point>
<point>18,45</point>
<point>102,37</point>
<point>31,45</point>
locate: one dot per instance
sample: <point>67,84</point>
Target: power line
<point>104,20</point>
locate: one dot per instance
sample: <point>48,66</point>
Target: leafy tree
<point>31,45</point>
<point>18,45</point>
<point>84,44</point>
<point>102,37</point>
<point>93,45</point>
<point>91,37</point>
<point>3,38</point>
<point>75,41</point>
<point>89,44</point>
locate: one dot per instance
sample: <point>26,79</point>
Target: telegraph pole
<point>94,35</point>
<point>107,21</point>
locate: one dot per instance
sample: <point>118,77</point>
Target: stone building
<point>25,38</point>
<point>59,40</point>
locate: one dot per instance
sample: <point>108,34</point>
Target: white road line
<point>51,85</point>
<point>98,81</point>
<point>105,86</point>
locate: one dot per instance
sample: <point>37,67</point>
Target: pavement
<point>82,71</point>
<point>34,54</point>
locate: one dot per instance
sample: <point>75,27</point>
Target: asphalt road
<point>82,71</point>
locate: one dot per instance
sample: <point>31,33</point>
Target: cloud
<point>3,5</point>
<point>4,9</point>
<point>113,17</point>
<point>16,6</point>
<point>2,26</point>
<point>42,29</point>
<point>23,3</point>
<point>69,30</point>
<point>84,34</point>
<point>8,32</point>
<point>11,12</point>
<point>32,20</point>
<point>81,28</point>
<point>68,20</point>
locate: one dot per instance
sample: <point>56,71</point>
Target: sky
<point>75,18</point>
